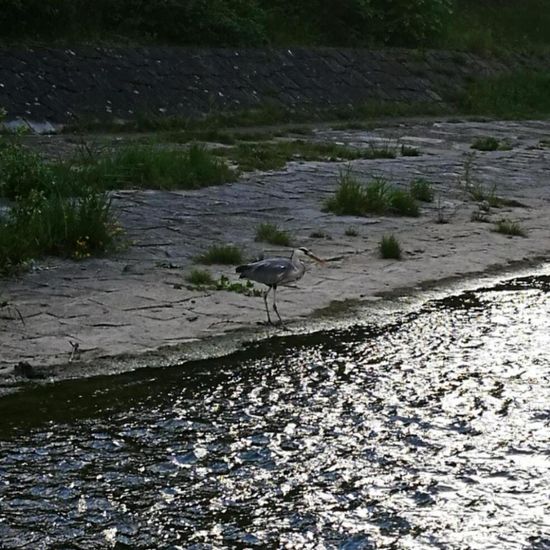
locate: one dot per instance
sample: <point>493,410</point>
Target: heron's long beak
<point>316,258</point>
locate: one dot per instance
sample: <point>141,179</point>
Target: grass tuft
<point>225,254</point>
<point>351,232</point>
<point>352,198</point>
<point>389,247</point>
<point>509,227</point>
<point>403,203</point>
<point>200,277</point>
<point>407,151</point>
<point>270,233</point>
<point>486,144</point>
<point>422,190</point>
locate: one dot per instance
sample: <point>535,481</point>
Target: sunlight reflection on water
<point>431,433</point>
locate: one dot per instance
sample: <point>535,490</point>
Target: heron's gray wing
<point>269,271</point>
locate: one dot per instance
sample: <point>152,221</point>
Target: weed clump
<point>390,248</point>
<point>225,254</point>
<point>200,277</point>
<point>407,151</point>
<point>486,144</point>
<point>49,216</point>
<point>352,198</point>
<point>402,203</point>
<point>509,227</point>
<point>270,233</point>
<point>422,190</point>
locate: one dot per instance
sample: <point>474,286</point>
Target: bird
<point>274,272</point>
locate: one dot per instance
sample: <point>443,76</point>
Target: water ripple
<point>430,433</point>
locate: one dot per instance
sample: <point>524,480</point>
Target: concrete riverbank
<point>126,309</point>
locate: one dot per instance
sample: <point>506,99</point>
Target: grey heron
<point>274,272</point>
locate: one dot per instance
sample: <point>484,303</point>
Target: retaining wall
<point>55,86</point>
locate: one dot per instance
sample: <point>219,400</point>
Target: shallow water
<point>430,432</point>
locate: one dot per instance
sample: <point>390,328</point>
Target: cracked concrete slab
<point>134,302</point>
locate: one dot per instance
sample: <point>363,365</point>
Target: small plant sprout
<point>225,254</point>
<point>270,233</point>
<point>509,227</point>
<point>351,232</point>
<point>389,247</point>
<point>474,189</point>
<point>422,190</point>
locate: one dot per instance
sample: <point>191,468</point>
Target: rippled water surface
<point>431,432</point>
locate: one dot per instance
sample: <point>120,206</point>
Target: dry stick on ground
<point>9,307</point>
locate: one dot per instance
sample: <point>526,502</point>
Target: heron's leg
<point>275,304</point>
<point>266,306</point>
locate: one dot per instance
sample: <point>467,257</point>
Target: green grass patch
<point>350,198</point>
<point>23,172</point>
<point>517,95</point>
<point>353,198</point>
<point>270,233</point>
<point>275,155</point>
<point>408,151</point>
<point>247,288</point>
<point>225,254</point>
<point>389,247</point>
<point>218,125</point>
<point>486,144</point>
<point>422,190</point>
<point>509,227</point>
<point>49,214</point>
<point>402,203</point>
<point>40,225</point>
<point>200,277</point>
<point>143,166</point>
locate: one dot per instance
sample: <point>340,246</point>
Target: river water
<point>429,431</point>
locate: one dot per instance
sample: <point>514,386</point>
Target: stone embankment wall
<point>59,85</point>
